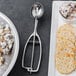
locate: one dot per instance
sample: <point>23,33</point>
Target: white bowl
<point>5,19</point>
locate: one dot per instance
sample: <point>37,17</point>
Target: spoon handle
<point>36,23</point>
<point>35,31</point>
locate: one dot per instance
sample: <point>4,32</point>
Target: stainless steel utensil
<point>37,12</point>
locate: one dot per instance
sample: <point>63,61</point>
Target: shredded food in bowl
<point>6,43</point>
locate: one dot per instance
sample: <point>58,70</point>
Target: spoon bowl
<point>37,10</point>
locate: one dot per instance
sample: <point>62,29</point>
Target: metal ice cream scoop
<point>37,12</point>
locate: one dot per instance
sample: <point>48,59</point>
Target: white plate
<point>56,21</point>
<point>6,20</point>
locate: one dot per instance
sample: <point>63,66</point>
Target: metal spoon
<point>37,12</point>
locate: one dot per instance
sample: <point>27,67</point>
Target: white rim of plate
<point>12,63</point>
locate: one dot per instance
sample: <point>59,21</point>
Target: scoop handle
<point>30,69</point>
<point>34,35</point>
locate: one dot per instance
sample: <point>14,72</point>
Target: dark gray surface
<point>19,12</point>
